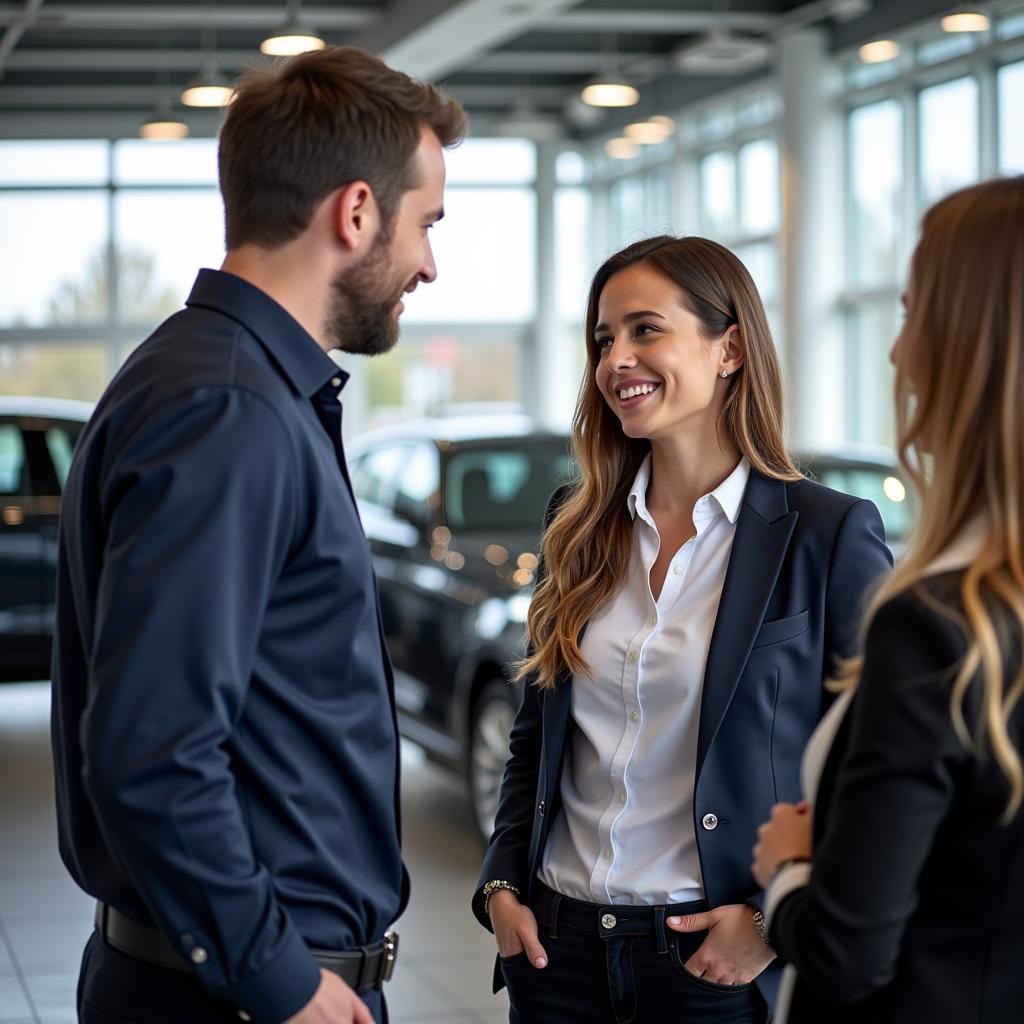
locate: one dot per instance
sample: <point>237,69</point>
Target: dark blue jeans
<point>114,988</point>
<point>619,965</point>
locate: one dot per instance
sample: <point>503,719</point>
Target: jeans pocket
<point>513,960</point>
<point>704,983</point>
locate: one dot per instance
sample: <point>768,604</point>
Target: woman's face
<point>656,370</point>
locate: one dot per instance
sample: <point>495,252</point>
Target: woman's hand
<point>786,836</point>
<point>733,953</point>
<point>515,927</point>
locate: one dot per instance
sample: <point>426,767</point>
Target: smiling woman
<point>695,587</point>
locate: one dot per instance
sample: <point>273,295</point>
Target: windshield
<point>505,485</point>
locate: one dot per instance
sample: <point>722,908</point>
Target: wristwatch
<point>491,887</point>
<point>760,925</point>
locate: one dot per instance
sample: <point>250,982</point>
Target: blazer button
<point>709,821</point>
<point>540,808</point>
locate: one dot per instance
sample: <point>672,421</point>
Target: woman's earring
<point>724,373</point>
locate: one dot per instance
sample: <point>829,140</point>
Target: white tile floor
<point>446,959</point>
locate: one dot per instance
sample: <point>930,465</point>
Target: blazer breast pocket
<point>778,630</point>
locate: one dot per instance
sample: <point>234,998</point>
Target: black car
<point>453,510</point>
<point>37,437</point>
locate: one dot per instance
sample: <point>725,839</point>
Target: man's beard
<point>359,319</point>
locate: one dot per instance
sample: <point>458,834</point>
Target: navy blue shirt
<point>223,718</point>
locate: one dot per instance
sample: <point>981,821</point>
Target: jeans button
<point>608,921</point>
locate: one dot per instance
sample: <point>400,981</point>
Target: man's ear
<point>732,349</point>
<point>356,216</point>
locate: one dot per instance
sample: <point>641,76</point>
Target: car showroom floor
<point>445,960</point>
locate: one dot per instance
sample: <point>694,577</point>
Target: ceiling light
<point>162,131</point>
<point>208,90</point>
<point>609,91</point>
<point>879,51</point>
<point>293,37</point>
<point>621,148</point>
<point>647,133</point>
<point>965,19</point>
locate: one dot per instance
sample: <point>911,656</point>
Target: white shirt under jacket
<point>625,833</point>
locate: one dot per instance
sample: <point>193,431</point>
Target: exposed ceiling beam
<point>503,62</point>
<point>138,97</point>
<point>668,23</point>
<point>128,60</point>
<point>434,39</point>
<point>16,29</point>
<point>164,16</point>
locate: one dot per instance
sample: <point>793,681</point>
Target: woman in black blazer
<point>697,590</point>
<point>912,908</point>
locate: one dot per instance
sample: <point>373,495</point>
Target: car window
<point>419,481</point>
<point>375,474</point>
<point>504,487</point>
<point>60,443</point>
<point>885,489</point>
<point>12,460</point>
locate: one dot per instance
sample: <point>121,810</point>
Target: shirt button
<point>633,656</point>
<point>653,620</point>
<point>677,569</point>
<point>709,821</point>
<point>622,798</point>
<point>242,1015</point>
<point>198,955</point>
<point>335,382</point>
<point>606,854</point>
<point>634,715</point>
<point>608,921</point>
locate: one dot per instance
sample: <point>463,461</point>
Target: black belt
<point>362,969</point>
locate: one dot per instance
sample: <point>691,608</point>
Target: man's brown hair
<point>297,131</point>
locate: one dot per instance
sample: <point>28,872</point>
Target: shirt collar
<point>727,496</point>
<point>306,365</point>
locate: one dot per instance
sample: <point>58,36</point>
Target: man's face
<point>366,299</point>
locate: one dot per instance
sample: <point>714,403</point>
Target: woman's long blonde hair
<point>960,398</point>
<point>586,546</point>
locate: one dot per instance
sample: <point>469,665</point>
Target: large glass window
<point>876,179</point>
<point>759,187</point>
<point>163,237</point>
<point>872,327</point>
<point>60,370</point>
<point>485,249</point>
<point>628,213</point>
<point>718,194</point>
<point>53,263</point>
<point>1011,118</point>
<point>949,137</point>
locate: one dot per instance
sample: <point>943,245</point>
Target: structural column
<point>812,239</point>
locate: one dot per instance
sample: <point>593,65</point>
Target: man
<point>223,718</point>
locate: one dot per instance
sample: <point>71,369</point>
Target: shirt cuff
<point>281,989</point>
<point>789,879</point>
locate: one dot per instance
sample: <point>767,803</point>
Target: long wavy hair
<point>586,546</point>
<point>960,430</point>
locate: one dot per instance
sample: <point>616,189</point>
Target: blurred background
<point>807,136</point>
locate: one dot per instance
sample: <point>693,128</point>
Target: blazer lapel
<point>763,530</point>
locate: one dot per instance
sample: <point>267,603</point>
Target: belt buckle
<point>390,955</point>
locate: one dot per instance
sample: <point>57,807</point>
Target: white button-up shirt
<point>625,832</point>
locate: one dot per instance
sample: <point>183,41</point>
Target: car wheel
<point>493,715</point>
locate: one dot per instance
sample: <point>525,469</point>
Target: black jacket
<point>802,559</point>
<point>915,908</point>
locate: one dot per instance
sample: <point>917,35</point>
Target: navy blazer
<point>913,913</point>
<point>802,561</point>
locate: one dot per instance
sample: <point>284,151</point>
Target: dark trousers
<point>114,988</point>
<point>619,965</point>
